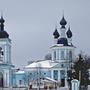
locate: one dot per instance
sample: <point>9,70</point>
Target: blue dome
<point>63,22</point>
<point>56,34</point>
<point>63,41</point>
<point>4,34</point>
<point>69,33</point>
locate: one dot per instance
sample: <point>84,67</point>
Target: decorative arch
<point>1,79</point>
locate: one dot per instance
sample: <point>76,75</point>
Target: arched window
<point>57,54</point>
<point>54,55</point>
<point>67,54</point>
<point>55,74</point>
<point>70,55</point>
<point>62,65</point>
<point>62,55</point>
<point>1,54</point>
<point>1,79</point>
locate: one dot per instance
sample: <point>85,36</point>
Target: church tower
<point>62,52</point>
<point>5,57</point>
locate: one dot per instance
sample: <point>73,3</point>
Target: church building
<point>62,56</point>
<point>53,70</point>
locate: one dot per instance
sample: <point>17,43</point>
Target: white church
<point>55,69</point>
<point>40,71</point>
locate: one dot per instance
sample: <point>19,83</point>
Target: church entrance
<point>62,82</point>
<point>1,79</point>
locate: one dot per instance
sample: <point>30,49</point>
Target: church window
<point>62,65</point>
<point>70,55</point>
<point>1,79</point>
<point>67,54</point>
<point>56,74</point>
<point>62,74</point>
<point>20,82</point>
<point>54,55</point>
<point>57,54</point>
<point>30,73</point>
<point>1,54</point>
<point>62,55</point>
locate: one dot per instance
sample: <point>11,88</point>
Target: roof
<point>20,72</point>
<point>63,21</point>
<point>63,41</point>
<point>41,63</point>
<point>56,34</point>
<point>69,33</point>
<point>3,33</point>
<point>50,79</point>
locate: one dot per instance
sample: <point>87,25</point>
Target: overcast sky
<point>31,23</point>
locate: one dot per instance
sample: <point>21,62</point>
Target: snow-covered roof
<point>20,72</point>
<point>50,79</point>
<point>40,63</point>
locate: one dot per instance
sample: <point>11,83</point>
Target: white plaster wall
<point>6,48</point>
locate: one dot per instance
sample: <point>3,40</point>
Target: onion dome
<point>63,41</point>
<point>63,22</point>
<point>2,23</point>
<point>3,34</point>
<point>56,34</point>
<point>69,33</point>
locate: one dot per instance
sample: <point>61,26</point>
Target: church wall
<point>5,44</point>
<point>20,80</point>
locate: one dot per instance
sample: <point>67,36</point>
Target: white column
<point>55,40</point>
<point>59,78</point>
<point>66,84</point>
<point>56,54</point>
<point>6,78</point>
<point>69,41</point>
<point>5,53</point>
<point>53,55</point>
<point>59,54</point>
<point>52,74</point>
<point>63,32</point>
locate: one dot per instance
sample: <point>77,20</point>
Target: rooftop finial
<point>2,22</point>
<point>55,27</point>
<point>63,13</point>
<point>63,22</point>
<point>1,13</point>
<point>69,27</point>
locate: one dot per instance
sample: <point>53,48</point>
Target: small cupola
<point>69,33</point>
<point>63,41</point>
<point>56,34</point>
<point>63,22</point>
<point>3,33</point>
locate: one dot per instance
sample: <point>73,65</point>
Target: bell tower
<point>5,56</point>
<point>5,44</point>
<point>62,52</point>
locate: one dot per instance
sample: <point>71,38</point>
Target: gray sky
<point>31,23</point>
